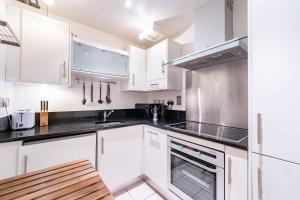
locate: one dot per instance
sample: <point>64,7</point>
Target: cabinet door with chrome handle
<point>236,174</point>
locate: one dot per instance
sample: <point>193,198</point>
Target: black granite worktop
<point>88,125</point>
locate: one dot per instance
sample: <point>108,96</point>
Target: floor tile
<point>123,196</point>
<point>141,192</point>
<point>155,197</point>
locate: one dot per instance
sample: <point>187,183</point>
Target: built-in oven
<point>195,172</point>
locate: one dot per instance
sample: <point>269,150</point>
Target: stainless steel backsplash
<point>218,94</point>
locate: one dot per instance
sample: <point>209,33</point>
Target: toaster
<point>23,119</point>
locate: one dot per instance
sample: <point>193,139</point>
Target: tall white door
<point>120,155</point>
<point>45,50</point>
<point>274,179</point>
<point>275,82</point>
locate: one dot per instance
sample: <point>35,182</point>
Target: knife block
<point>44,116</point>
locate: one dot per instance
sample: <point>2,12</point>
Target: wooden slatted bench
<point>74,180</point>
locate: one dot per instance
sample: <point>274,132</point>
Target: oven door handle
<point>195,163</point>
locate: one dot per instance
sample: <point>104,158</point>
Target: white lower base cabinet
<point>274,179</point>
<point>155,158</point>
<point>236,181</point>
<point>120,156</point>
<point>9,159</point>
<point>36,156</point>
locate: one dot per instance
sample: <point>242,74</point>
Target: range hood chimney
<point>7,35</point>
<point>214,43</point>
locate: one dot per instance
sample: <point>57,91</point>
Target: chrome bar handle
<point>64,70</point>
<point>260,186</point>
<point>163,67</point>
<point>102,145</point>
<point>133,79</point>
<point>25,164</point>
<point>229,171</point>
<point>259,129</point>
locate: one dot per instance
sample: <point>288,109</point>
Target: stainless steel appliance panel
<point>218,95</point>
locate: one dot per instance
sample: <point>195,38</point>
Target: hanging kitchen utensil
<point>84,99</point>
<point>92,92</point>
<point>100,94</point>
<point>108,99</point>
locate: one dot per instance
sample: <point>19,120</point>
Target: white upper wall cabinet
<point>98,60</point>
<point>45,50</point>
<point>44,55</point>
<point>137,70</point>
<point>159,74</point>
<point>274,74</point>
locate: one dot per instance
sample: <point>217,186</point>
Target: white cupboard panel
<point>34,157</point>
<point>9,159</point>
<point>120,155</point>
<point>45,50</point>
<point>155,157</point>
<point>137,70</point>
<point>275,47</point>
<point>236,174</point>
<point>274,179</point>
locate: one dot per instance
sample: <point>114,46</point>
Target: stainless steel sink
<point>109,123</point>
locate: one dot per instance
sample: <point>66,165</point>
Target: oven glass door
<point>192,177</point>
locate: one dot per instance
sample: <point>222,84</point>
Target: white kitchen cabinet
<point>45,50</point>
<point>157,68</point>
<point>274,75</point>
<point>9,159</point>
<point>155,157</point>
<point>44,54</point>
<point>137,70</point>
<point>274,179</point>
<point>120,155</point>
<point>36,156</point>
<point>236,173</point>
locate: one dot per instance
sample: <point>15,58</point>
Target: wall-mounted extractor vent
<point>7,36</point>
<point>229,51</point>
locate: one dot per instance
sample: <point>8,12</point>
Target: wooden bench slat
<point>57,187</point>
<point>4,181</point>
<point>96,195</point>
<point>57,182</point>
<point>70,181</point>
<point>44,174</point>
<point>76,188</point>
<point>56,177</point>
<point>83,192</point>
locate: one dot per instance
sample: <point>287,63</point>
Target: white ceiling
<point>112,17</point>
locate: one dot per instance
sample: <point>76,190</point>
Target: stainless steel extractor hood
<point>7,36</point>
<point>232,50</point>
<point>213,38</point>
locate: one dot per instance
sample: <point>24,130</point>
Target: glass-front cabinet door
<point>88,58</point>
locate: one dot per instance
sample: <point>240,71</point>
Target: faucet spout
<point>105,116</point>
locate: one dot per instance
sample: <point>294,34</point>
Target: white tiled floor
<point>140,191</point>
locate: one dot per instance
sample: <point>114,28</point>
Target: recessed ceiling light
<point>128,3</point>
<point>49,2</point>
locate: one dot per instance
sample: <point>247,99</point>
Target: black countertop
<point>65,129</point>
